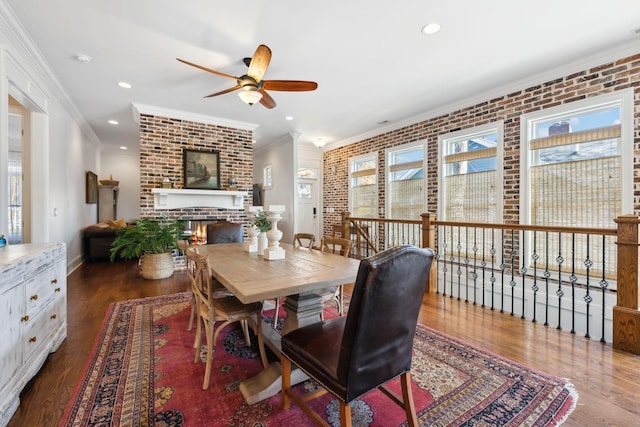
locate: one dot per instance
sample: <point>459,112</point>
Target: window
<point>363,186</point>
<point>577,166</point>
<point>471,170</point>
<point>268,179</point>
<point>405,182</point>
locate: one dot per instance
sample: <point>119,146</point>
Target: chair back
<point>199,273</point>
<point>304,240</point>
<point>336,245</point>
<point>224,232</point>
<point>378,335</point>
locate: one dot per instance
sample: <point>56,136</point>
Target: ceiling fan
<point>252,87</point>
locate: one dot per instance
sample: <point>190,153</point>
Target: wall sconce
<point>319,142</point>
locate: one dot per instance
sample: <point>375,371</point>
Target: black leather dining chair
<point>224,232</point>
<point>354,354</point>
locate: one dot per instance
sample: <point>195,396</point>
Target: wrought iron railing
<point>565,277</point>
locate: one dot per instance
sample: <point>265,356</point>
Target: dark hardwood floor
<point>607,380</point>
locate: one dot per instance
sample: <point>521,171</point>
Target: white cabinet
<point>33,315</point>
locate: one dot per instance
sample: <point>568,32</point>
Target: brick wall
<point>162,141</point>
<point>605,78</point>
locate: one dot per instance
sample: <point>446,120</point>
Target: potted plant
<point>152,242</point>
<point>263,223</point>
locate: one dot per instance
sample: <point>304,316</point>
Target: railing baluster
<point>502,268</point>
<point>547,274</point>
<point>603,284</point>
<point>493,263</point>
<point>451,259</point>
<point>559,291</point>
<point>523,271</point>
<point>512,283</point>
<point>475,265</point>
<point>587,298</point>
<point>459,271</point>
<point>573,279</point>
<point>535,257</point>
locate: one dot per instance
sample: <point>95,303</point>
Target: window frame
<point>492,127</point>
<point>352,160</point>
<point>624,98</point>
<point>389,153</point>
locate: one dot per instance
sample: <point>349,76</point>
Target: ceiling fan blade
<point>222,92</point>
<point>289,85</point>
<point>259,62</point>
<point>267,100</point>
<point>220,73</point>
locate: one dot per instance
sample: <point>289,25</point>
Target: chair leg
<point>210,347</point>
<point>275,313</point>
<point>345,415</point>
<point>197,343</point>
<point>407,396</point>
<point>245,331</point>
<point>286,382</point>
<point>193,312</point>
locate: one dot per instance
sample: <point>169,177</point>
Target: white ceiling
<point>370,59</point>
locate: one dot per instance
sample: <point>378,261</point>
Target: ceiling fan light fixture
<point>250,96</point>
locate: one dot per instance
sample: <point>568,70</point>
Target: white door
<point>308,207</point>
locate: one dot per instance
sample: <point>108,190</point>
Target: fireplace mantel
<point>170,198</point>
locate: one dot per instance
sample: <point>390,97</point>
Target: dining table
<point>300,277</point>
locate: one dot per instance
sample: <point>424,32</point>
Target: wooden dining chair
<point>340,246</point>
<point>226,309</point>
<point>351,355</point>
<point>304,240</point>
<point>219,290</point>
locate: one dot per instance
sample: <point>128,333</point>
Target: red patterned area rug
<point>142,373</point>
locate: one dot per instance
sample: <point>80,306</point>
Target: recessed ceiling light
<point>432,28</point>
<point>125,85</point>
<point>113,122</point>
<point>289,118</point>
<point>85,59</point>
<point>123,147</point>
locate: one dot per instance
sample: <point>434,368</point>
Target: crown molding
<point>151,110</point>
<point>622,51</point>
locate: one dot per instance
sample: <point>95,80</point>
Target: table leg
<point>302,309</point>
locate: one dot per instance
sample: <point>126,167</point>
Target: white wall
<point>124,166</point>
<point>63,145</point>
<point>280,156</point>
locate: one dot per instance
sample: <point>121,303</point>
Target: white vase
<point>263,242</point>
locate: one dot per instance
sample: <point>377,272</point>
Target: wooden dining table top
<point>252,278</point>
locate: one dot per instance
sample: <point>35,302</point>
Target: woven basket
<point>156,266</point>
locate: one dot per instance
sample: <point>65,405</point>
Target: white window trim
<point>527,124</point>
<point>356,159</point>
<point>405,147</point>
<point>497,127</point>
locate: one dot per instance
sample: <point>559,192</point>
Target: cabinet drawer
<point>40,289</point>
<point>39,328</point>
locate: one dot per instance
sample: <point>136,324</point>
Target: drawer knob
<point>57,289</point>
<point>54,281</point>
<point>54,316</point>
<point>25,318</point>
<point>34,297</point>
<point>33,339</point>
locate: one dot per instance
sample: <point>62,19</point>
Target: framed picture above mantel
<point>201,169</point>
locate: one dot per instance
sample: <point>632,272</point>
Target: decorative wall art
<point>91,188</point>
<point>201,169</point>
